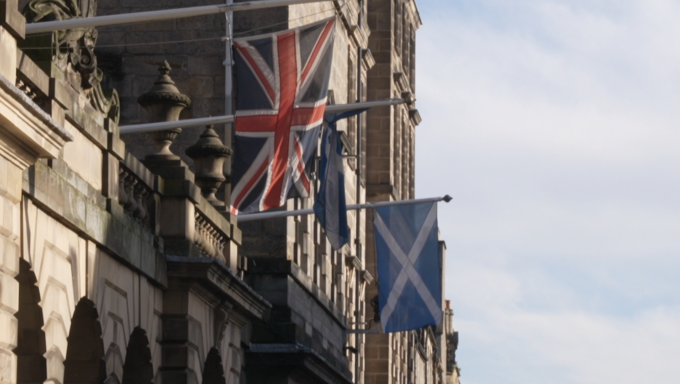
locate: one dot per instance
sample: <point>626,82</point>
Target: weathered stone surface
<point>119,233</point>
<point>8,52</point>
<point>27,131</point>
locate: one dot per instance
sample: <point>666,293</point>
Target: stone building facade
<point>417,356</point>
<point>100,276</point>
<point>115,266</point>
<point>450,345</point>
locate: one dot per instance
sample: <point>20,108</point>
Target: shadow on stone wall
<point>84,362</point>
<point>138,368</point>
<point>30,350</point>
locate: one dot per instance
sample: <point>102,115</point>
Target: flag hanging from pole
<point>281,90</point>
<point>330,205</point>
<point>409,266</point>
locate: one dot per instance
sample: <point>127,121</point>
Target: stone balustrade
<point>208,238</point>
<point>136,197</point>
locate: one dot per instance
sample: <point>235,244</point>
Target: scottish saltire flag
<point>409,267</point>
<point>330,205</point>
<point>282,85</point>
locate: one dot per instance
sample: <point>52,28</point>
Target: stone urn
<point>209,155</point>
<point>164,102</point>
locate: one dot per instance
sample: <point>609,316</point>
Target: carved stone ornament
<point>72,47</point>
<point>209,155</point>
<point>164,102</point>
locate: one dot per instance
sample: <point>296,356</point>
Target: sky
<point>554,125</point>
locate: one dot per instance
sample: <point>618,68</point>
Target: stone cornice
<point>28,132</point>
<point>349,16</point>
<point>275,266</point>
<point>306,359</point>
<point>220,280</point>
<point>418,22</point>
<point>116,233</point>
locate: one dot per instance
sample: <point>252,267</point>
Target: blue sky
<point>555,127</point>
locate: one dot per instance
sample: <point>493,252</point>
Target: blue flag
<point>409,266</point>
<point>330,206</point>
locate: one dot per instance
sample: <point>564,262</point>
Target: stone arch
<point>213,371</point>
<point>138,368</point>
<point>84,363</point>
<point>30,350</point>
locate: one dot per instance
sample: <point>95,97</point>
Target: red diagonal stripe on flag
<point>317,49</point>
<point>258,72</point>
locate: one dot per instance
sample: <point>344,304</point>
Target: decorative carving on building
<point>106,101</point>
<point>76,47</point>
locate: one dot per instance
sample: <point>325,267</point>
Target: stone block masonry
<point>193,48</point>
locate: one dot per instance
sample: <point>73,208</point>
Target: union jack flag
<point>282,85</point>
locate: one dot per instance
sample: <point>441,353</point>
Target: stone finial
<point>209,155</point>
<point>164,91</point>
<point>164,102</point>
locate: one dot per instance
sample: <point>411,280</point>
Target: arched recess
<point>213,371</point>
<point>138,368</point>
<point>30,350</point>
<point>84,363</point>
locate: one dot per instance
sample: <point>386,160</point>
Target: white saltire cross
<point>408,271</point>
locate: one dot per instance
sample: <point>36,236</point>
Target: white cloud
<point>554,125</point>
<point>573,347</point>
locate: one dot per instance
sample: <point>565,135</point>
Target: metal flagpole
<point>202,121</point>
<point>166,14</point>
<point>272,215</point>
<point>228,94</point>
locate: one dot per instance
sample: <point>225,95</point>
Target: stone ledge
<point>260,266</point>
<point>305,361</point>
<point>176,180</point>
<point>220,280</point>
<point>118,235</point>
<point>142,172</point>
<point>34,132</point>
